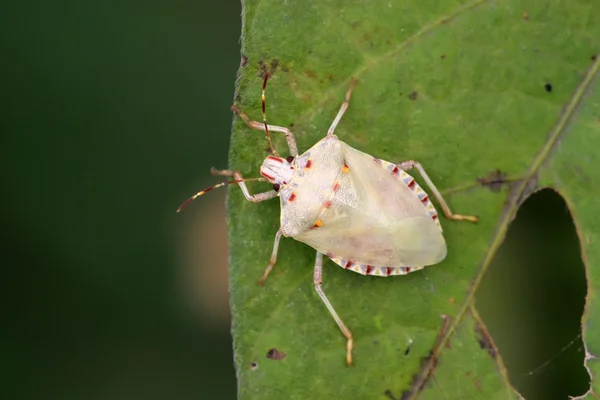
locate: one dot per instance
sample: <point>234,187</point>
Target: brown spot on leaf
<point>494,180</point>
<point>485,340</point>
<point>413,96</point>
<point>525,15</point>
<point>310,73</point>
<point>274,354</point>
<point>274,64</point>
<point>244,61</point>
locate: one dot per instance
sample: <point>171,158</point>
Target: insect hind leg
<point>343,108</point>
<point>318,279</point>
<point>255,198</point>
<point>408,165</point>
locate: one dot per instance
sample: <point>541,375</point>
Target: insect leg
<point>261,282</point>
<point>345,104</point>
<point>255,198</point>
<point>289,136</point>
<point>318,279</point>
<point>407,165</point>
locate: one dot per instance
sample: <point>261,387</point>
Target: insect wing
<point>374,218</point>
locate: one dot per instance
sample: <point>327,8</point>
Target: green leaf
<point>460,87</point>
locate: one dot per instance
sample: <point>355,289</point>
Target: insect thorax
<point>311,186</point>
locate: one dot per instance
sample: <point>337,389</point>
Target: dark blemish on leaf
<point>355,24</point>
<point>413,96</point>
<point>330,77</point>
<point>291,126</point>
<point>274,64</point>
<point>310,73</point>
<point>593,57</point>
<point>494,180</point>
<point>428,364</point>
<point>477,384</point>
<point>375,342</point>
<point>253,366</point>
<point>525,15</point>
<point>275,354</point>
<point>262,69</point>
<point>309,51</point>
<point>244,61</point>
<point>389,394</point>
<point>485,340</point>
<point>443,56</point>
<point>548,87</point>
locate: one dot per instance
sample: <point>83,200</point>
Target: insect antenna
<point>264,113</point>
<point>218,185</point>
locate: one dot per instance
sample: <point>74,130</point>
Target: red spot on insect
<point>345,168</point>
<point>348,264</point>
<point>412,184</point>
<point>336,187</point>
<point>377,160</point>
<point>408,269</point>
<point>327,204</point>
<point>269,177</point>
<point>424,199</point>
<point>434,216</point>
<point>279,160</point>
<point>318,224</point>
<point>308,164</point>
<point>396,170</point>
<point>369,269</point>
<point>292,196</point>
<point>388,271</point>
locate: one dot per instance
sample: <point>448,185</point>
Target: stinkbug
<point>366,214</point>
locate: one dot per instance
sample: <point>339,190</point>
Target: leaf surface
<point>465,88</point>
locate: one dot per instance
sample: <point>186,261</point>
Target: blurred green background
<point>113,115</point>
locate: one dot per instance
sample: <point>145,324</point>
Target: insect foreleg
<point>318,279</point>
<point>289,136</point>
<point>273,258</point>
<point>408,165</point>
<point>255,198</point>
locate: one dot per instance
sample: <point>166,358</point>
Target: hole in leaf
<point>532,299</point>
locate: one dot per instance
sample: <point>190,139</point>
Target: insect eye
<point>290,159</point>
<point>276,187</point>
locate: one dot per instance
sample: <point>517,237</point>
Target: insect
<point>366,214</point>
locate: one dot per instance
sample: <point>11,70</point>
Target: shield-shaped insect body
<point>366,214</point>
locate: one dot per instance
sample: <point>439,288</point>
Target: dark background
<point>112,115</point>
